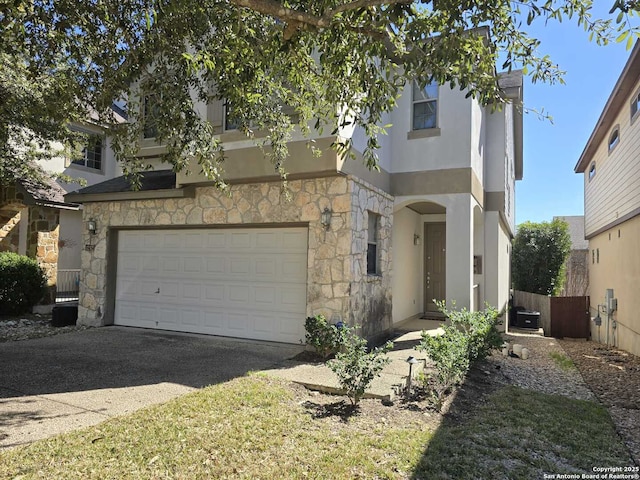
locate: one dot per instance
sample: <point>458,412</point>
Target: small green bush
<point>356,366</point>
<point>324,337</point>
<point>22,283</point>
<point>469,337</point>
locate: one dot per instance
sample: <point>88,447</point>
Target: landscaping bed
<point>614,376</point>
<point>511,418</point>
<point>28,326</point>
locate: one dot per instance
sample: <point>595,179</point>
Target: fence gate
<point>570,317</point>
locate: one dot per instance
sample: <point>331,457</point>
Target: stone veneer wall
<point>42,234</point>
<point>337,284</point>
<point>370,300</point>
<point>42,244</point>
<point>9,230</point>
<point>10,206</point>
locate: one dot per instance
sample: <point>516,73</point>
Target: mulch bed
<point>614,376</point>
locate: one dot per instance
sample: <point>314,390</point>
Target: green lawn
<point>254,427</point>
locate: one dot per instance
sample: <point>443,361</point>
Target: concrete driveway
<point>57,384</point>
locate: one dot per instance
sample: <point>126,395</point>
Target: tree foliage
<point>320,58</point>
<point>540,252</point>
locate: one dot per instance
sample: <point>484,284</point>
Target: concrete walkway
<point>389,384</point>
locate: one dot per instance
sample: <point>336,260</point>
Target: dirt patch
<point>614,376</point>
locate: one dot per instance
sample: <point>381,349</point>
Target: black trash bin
<point>64,315</point>
<point>527,319</point>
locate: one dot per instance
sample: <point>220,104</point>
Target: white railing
<point>67,285</point>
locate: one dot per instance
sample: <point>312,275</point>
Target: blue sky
<point>550,187</point>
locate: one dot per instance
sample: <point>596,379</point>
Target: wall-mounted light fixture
<point>92,226</point>
<point>325,218</point>
<point>416,239</point>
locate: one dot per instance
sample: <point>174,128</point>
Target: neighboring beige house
<point>610,164</point>
<point>367,248</point>
<point>576,283</point>
<point>35,219</point>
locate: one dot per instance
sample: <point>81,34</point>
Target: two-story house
<point>35,219</point>
<point>368,248</point>
<point>610,164</point>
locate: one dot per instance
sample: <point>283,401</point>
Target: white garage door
<point>248,283</point>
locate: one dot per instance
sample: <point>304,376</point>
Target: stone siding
<point>337,284</point>
<point>42,233</point>
<point>370,300</point>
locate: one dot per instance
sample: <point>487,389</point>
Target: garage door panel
<point>152,241</point>
<point>216,240</point>
<point>239,295</point>
<point>170,265</point>
<point>239,266</point>
<point>191,291</point>
<point>241,240</point>
<point>237,322</point>
<point>248,283</point>
<point>192,265</point>
<point>193,241</point>
<point>172,240</point>
<point>215,265</point>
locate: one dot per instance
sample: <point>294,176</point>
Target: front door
<point>434,264</point>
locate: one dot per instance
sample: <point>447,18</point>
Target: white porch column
<point>460,251</point>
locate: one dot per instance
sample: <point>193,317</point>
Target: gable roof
<point>617,100</point>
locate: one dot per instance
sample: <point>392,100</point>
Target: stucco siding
<point>406,277</point>
<point>497,261</point>
<point>450,149</point>
<point>612,192</point>
<point>614,262</point>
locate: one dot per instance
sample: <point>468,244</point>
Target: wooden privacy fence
<point>559,316</point>
<point>570,317</point>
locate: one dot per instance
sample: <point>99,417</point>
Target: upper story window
<point>635,106</point>
<point>425,106</point>
<point>373,236</point>
<point>592,171</point>
<point>230,123</point>
<point>614,138</point>
<point>91,154</point>
<point>150,115</point>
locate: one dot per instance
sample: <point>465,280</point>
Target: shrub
<point>540,252</point>
<point>324,337</point>
<point>22,283</point>
<point>469,337</point>
<point>356,366</point>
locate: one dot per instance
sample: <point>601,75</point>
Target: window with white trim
<point>91,154</point>
<point>635,106</point>
<point>424,106</point>
<point>614,138</point>
<point>373,239</point>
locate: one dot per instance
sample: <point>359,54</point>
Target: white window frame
<point>83,162</point>
<point>373,242</point>
<point>635,106</point>
<point>614,142</point>
<point>435,100</point>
